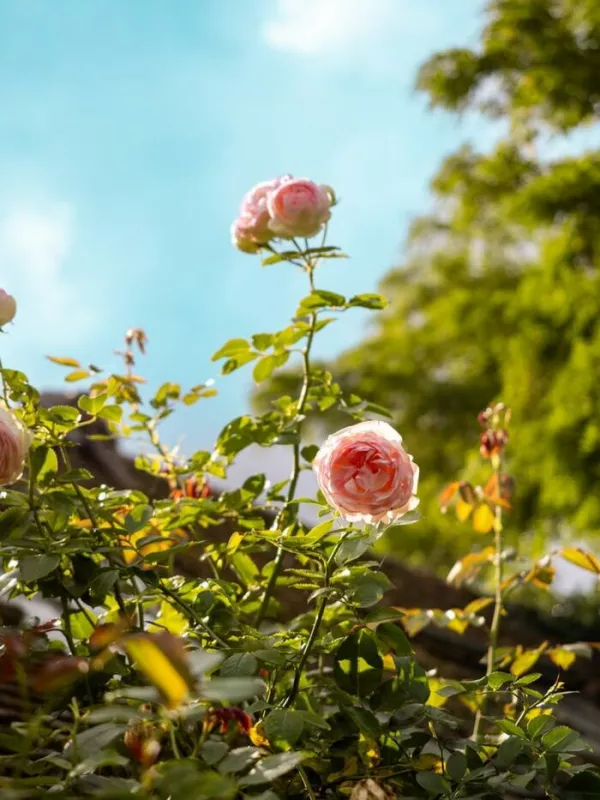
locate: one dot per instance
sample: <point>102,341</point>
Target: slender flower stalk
<point>295,473</point>
<point>498,603</point>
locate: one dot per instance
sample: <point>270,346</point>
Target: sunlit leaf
<point>448,495</point>
<point>467,567</point>
<point>162,659</point>
<point>463,509</point>
<point>561,657</point>
<point>77,375</point>
<point>582,558</point>
<point>483,518</point>
<point>64,362</point>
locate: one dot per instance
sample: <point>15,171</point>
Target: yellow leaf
<point>541,575</point>
<point>171,619</point>
<point>162,660</point>
<point>428,763</point>
<point>64,362</point>
<point>436,700</point>
<point>77,375</point>
<point>463,509</point>
<point>483,518</point>
<point>257,736</point>
<point>475,606</point>
<point>234,542</point>
<point>368,750</point>
<point>466,568</point>
<point>457,625</point>
<point>447,496</point>
<point>582,558</point>
<point>562,658</point>
<point>524,662</point>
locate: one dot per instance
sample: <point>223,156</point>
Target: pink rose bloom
<point>251,229</point>
<point>8,307</point>
<point>14,443</point>
<point>365,473</point>
<point>299,207</point>
<point>243,235</point>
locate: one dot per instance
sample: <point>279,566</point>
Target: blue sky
<point>130,130</point>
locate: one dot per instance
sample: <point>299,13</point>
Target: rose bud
<point>14,444</point>
<point>8,307</point>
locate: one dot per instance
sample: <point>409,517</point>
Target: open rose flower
<point>299,207</point>
<point>365,473</point>
<point>14,443</point>
<point>251,229</point>
<point>8,307</point>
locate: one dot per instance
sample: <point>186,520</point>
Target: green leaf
<point>32,568</point>
<point>43,463</point>
<point>585,786</point>
<point>384,615</point>
<point>112,413</point>
<point>88,742</point>
<point>265,366</point>
<point>309,452</point>
<point>540,724</point>
<point>138,518</point>
<point>320,530</point>
<point>560,739</point>
<point>232,690</point>
<point>231,348</point>
<point>284,724</point>
<point>456,765</point>
<point>271,768</point>
<point>212,751</point>
<point>262,341</point>
<point>353,547</point>
<point>239,665</point>
<point>92,404</point>
<point>394,637</point>
<point>314,720</point>
<point>368,588</point>
<point>320,299</point>
<point>374,301</point>
<point>508,726</point>
<point>103,583</point>
<point>499,679</point>
<point>364,719</point>
<point>409,686</point>
<point>11,519</point>
<point>237,361</point>
<point>358,667</point>
<point>239,759</point>
<point>433,783</point>
<point>508,751</point>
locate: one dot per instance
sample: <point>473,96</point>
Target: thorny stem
<point>67,626</point>
<point>191,613</point>
<point>315,627</point>
<point>295,473</point>
<point>93,519</point>
<point>497,616</point>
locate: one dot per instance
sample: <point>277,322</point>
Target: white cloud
<point>315,27</point>
<point>35,244</point>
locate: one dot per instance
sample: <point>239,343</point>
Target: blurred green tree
<point>499,293</point>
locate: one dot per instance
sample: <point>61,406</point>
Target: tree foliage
<point>499,293</point>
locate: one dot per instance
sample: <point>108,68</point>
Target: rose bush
<point>163,682</point>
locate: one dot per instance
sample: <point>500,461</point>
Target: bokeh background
<point>129,132</point>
